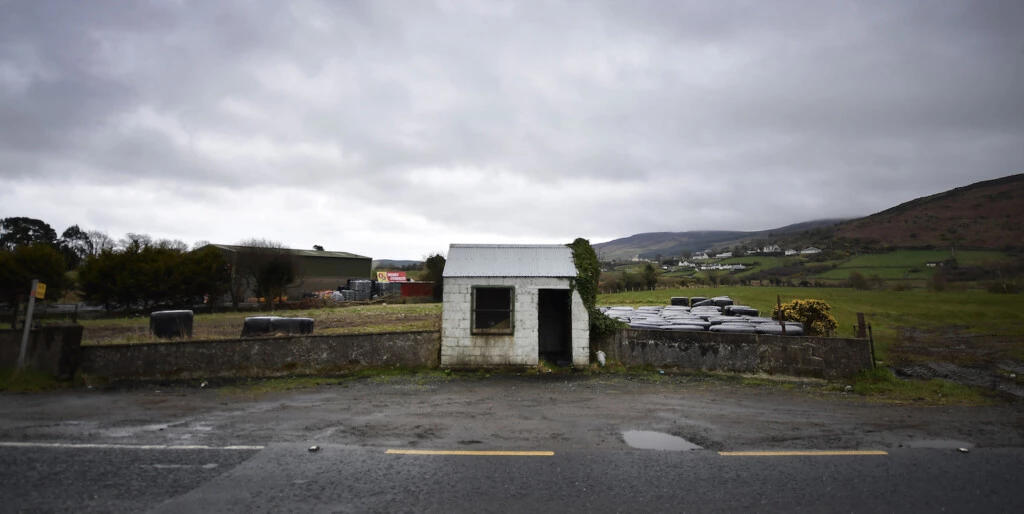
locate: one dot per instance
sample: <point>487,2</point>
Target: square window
<point>492,310</point>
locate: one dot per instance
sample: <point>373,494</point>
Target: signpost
<point>38,291</point>
<point>392,276</point>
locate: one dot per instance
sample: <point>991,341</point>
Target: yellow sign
<point>382,276</point>
<point>40,290</point>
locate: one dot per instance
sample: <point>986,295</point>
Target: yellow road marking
<point>471,452</point>
<point>802,453</point>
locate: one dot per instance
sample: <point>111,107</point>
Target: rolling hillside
<point>984,215</point>
<point>673,243</point>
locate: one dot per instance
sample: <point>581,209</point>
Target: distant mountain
<point>671,244</point>
<point>395,264</point>
<point>986,215</point>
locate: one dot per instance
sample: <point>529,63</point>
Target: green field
<point>228,325</point>
<point>970,312</point>
<point>919,258</point>
<point>886,273</point>
<point>906,264</point>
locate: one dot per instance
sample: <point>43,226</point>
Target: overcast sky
<point>393,128</point>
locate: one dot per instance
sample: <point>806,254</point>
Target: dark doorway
<point>555,326</point>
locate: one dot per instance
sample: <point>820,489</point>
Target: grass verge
<point>881,384</point>
<point>28,381</point>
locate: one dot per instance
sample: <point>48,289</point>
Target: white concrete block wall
<point>459,347</point>
<point>580,332</point>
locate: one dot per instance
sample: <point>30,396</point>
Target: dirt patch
<point>951,353</point>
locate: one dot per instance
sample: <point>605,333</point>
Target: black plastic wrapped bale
<point>775,329</point>
<point>679,300</point>
<point>703,303</point>
<point>292,326</point>
<point>696,299</point>
<point>740,310</point>
<point>168,324</point>
<point>734,328</point>
<point>258,325</point>
<point>722,301</point>
<point>684,328</point>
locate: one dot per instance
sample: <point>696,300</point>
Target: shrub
<point>858,281</point>
<point>814,314</point>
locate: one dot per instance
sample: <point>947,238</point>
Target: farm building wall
<point>460,347</point>
<point>314,272</point>
<point>820,357</point>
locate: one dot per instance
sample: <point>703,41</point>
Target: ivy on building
<point>588,273</point>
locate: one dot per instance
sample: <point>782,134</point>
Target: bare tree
<point>713,276</point>
<point>100,242</point>
<point>269,265</point>
<point>131,240</point>
<point>172,244</point>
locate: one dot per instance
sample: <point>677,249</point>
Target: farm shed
<point>512,305</point>
<point>315,270</point>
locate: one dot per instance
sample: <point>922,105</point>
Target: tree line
<point>133,272</point>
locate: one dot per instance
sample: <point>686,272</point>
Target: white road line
<point>178,466</point>
<point>126,446</point>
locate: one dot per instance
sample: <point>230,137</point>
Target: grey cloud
<point>787,111</point>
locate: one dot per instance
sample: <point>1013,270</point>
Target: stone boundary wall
<point>261,357</point>
<point>52,349</point>
<point>820,357</point>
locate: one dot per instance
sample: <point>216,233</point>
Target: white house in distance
<point>810,250</point>
<point>724,255</point>
<point>771,249</point>
<point>512,305</point>
<point>791,252</point>
<point>700,256</point>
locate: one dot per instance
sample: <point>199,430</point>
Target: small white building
<point>791,252</point>
<point>700,256</point>
<point>771,249</point>
<point>810,250</point>
<point>512,305</point>
<point>724,255</point>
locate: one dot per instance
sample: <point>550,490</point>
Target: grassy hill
<point>672,244</point>
<point>985,215</point>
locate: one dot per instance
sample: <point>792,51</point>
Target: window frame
<point>511,312</point>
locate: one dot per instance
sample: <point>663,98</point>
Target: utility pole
<point>782,323</point>
<point>28,323</point>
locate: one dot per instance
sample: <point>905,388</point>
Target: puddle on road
<point>646,440</point>
<point>938,444</point>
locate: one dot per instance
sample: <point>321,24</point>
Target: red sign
<point>391,276</point>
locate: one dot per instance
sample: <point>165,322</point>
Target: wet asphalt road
<point>288,478</point>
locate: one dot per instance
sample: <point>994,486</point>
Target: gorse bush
<point>814,314</point>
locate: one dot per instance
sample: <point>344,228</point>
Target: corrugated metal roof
<point>304,253</point>
<point>509,260</point>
